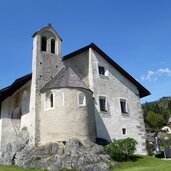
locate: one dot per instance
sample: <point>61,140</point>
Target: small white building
<point>84,95</point>
<point>166,129</point>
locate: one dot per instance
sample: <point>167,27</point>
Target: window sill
<point>52,108</point>
<point>103,76</point>
<point>125,114</point>
<point>82,106</point>
<point>105,115</point>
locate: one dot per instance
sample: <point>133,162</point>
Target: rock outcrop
<point>16,145</point>
<point>83,156</point>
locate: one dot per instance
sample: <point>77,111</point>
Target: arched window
<point>52,46</point>
<point>82,99</point>
<point>43,44</point>
<point>49,100</point>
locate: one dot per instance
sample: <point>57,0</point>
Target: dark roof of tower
<point>49,26</point>
<point>66,78</point>
<point>8,91</point>
<point>142,90</point>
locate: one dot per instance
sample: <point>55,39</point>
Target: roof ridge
<point>142,90</point>
<point>65,78</point>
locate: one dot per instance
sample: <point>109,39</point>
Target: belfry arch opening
<point>52,46</point>
<point>44,44</point>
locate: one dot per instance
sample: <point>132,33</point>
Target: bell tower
<point>46,54</point>
<point>46,57</point>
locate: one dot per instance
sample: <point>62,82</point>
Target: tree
<point>155,120</point>
<point>169,106</point>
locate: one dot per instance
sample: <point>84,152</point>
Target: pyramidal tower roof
<point>47,27</point>
<point>66,78</point>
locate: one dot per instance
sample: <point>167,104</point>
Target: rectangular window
<point>123,105</point>
<point>82,99</point>
<point>101,70</point>
<point>123,131</point>
<point>103,103</point>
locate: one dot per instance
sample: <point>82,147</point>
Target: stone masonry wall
<point>44,68</point>
<point>114,87</point>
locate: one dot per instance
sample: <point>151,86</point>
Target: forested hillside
<point>157,113</point>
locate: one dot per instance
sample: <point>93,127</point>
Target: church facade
<point>84,95</point>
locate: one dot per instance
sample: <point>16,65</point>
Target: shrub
<point>122,149</point>
<point>150,149</point>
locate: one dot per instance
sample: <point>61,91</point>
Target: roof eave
<point>18,83</point>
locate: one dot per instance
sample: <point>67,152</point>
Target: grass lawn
<point>15,168</point>
<point>145,163</point>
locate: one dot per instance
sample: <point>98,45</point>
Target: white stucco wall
<point>67,119</point>
<point>14,110</point>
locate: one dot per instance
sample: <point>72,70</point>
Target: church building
<point>84,95</point>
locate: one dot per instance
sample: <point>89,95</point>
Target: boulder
<point>101,166</point>
<point>83,156</point>
<point>9,150</point>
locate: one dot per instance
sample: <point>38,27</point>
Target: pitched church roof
<point>142,90</point>
<point>66,78</point>
<point>8,91</point>
<point>4,93</point>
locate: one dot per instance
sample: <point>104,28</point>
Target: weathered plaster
<point>67,120</point>
<point>115,87</point>
<point>13,111</point>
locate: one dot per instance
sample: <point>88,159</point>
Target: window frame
<point>84,99</point>
<point>47,100</point>
<point>101,70</point>
<point>51,100</point>
<point>105,107</point>
<point>124,131</point>
<point>124,109</point>
<point>106,72</point>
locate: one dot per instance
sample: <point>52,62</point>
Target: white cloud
<point>148,77</point>
<point>165,71</point>
<point>154,75</point>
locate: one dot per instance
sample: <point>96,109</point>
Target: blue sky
<point>134,33</point>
